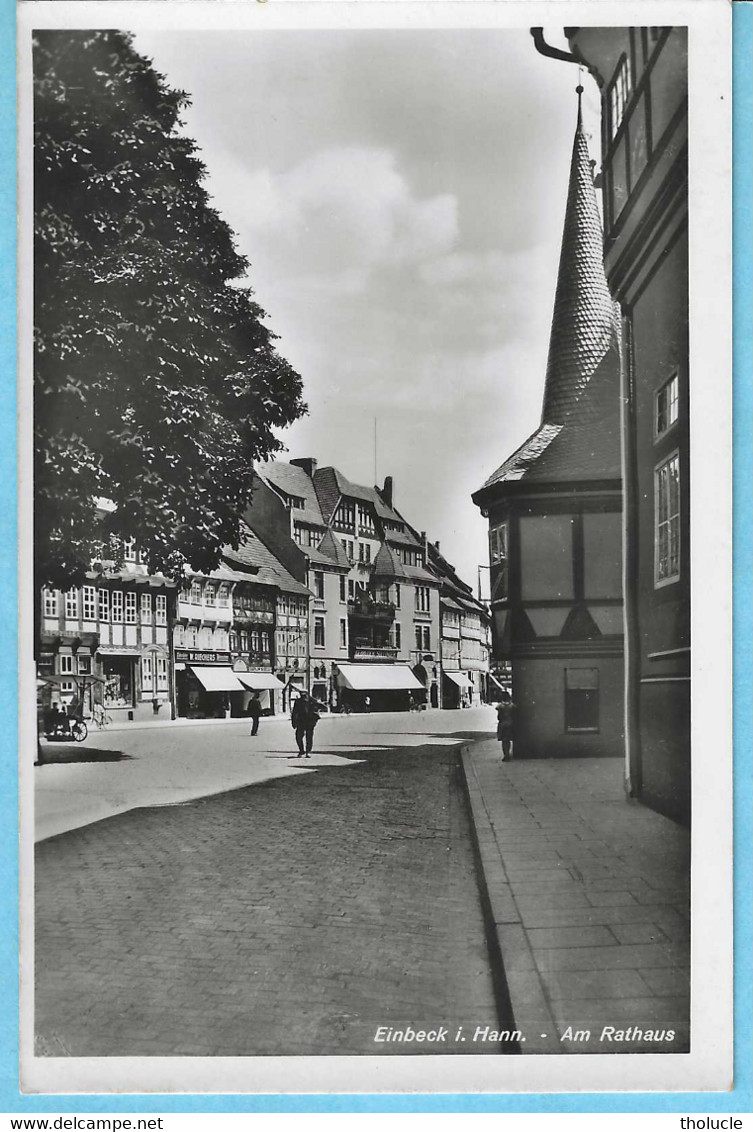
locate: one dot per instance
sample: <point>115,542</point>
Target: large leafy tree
<point>156,382</point>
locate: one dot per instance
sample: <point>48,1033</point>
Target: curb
<point>517,983</point>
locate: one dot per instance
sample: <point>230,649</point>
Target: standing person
<point>505,712</point>
<point>254,712</point>
<point>304,718</point>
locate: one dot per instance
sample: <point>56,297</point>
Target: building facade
<point>554,510</point>
<point>642,76</point>
<point>115,627</point>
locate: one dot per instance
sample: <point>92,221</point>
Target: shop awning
<point>259,681</point>
<point>494,680</point>
<point>379,677</point>
<point>217,678</point>
<point>459,678</point>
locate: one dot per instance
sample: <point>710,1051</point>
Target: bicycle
<point>100,717</point>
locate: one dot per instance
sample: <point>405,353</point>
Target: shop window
<point>319,632</point>
<point>667,521</point>
<point>620,90</point>
<point>146,674</point>
<point>343,632</point>
<point>667,406</point>
<point>71,605</point>
<point>84,665</point>
<point>581,699</point>
<point>117,606</point>
<point>50,602</point>
<point>104,605</point>
<point>130,607</point>
<point>498,559</point>
<point>117,672</point>
<point>146,609</point>
<point>65,664</point>
<point>161,609</point>
<point>161,674</point>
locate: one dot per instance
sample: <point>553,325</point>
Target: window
<point>581,699</point>
<point>667,406</point>
<point>65,664</point>
<point>244,640</point>
<point>179,636</point>
<point>146,674</point>
<point>398,635</point>
<point>89,603</point>
<point>343,632</point>
<point>298,533</point>
<point>427,638</point>
<point>351,589</point>
<point>342,587</point>
<point>196,593</point>
<point>345,515</point>
<point>104,605</point>
<point>498,561</point>
<point>419,637</point>
<point>397,595</point>
<point>295,502</point>
<point>117,606</point>
<point>222,597</point>
<point>130,608</point>
<point>71,604</point>
<point>619,94</point>
<point>318,584</point>
<point>84,665</point>
<point>209,595</point>
<point>161,609</point>
<point>161,674</point>
<point>146,609</point>
<point>191,636</point>
<point>50,602</point>
<point>422,598</point>
<point>319,632</point>
<point>667,521</point>
<point>129,550</point>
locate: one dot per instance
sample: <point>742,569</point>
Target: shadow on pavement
<point>66,753</point>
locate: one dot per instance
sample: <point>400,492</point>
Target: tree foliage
<point>157,385</point>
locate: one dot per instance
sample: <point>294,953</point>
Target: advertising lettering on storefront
<point>198,656</point>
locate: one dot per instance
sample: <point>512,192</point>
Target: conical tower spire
<point>583,319</point>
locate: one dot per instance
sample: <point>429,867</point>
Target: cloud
<point>344,210</point>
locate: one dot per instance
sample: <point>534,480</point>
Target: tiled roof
<point>292,480</point>
<point>578,437</point>
<point>387,564</point>
<point>418,574</point>
<point>271,572</point>
<point>403,538</point>
<point>329,551</point>
<point>330,484</point>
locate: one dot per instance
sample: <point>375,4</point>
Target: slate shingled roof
<point>330,484</point>
<point>578,437</point>
<point>268,570</point>
<point>292,480</point>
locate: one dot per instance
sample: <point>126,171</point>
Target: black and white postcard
<point>376,591</point>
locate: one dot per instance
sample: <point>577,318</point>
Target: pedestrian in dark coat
<point>254,712</point>
<point>505,713</point>
<point>304,718</point>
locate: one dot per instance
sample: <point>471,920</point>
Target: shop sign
<point>196,656</point>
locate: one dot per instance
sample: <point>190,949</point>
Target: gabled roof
<point>331,484</point>
<point>254,553</point>
<point>292,480</point>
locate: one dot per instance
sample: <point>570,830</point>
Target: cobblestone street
<point>293,916</point>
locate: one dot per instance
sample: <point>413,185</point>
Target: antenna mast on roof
<point>375,451</point>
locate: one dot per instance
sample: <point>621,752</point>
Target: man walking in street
<point>254,712</point>
<point>304,718</point>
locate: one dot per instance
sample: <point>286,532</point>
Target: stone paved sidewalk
<point>589,900</point>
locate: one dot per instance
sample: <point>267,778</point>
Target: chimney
<point>437,546</point>
<point>308,463</point>
<point>386,492</point>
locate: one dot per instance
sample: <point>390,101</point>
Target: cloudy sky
<point>400,196</point>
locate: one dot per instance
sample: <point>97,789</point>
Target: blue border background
<point>740,1099</point>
